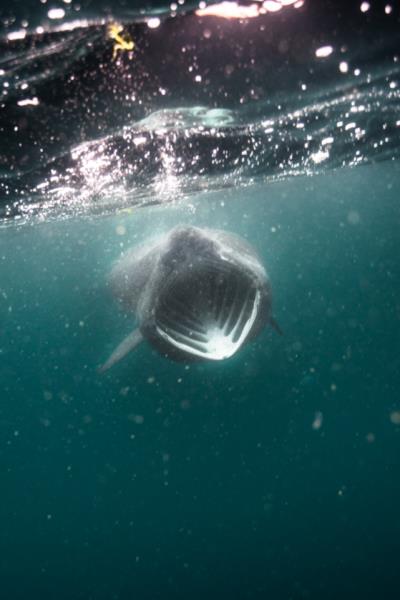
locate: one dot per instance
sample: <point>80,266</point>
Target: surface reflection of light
<point>153,23</point>
<point>167,184</point>
<point>56,13</point>
<point>232,10</point>
<point>320,156</point>
<point>323,52</point>
<point>272,6</point>
<point>16,35</point>
<point>93,166</point>
<point>229,10</point>
<point>29,102</point>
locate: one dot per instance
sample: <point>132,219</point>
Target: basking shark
<point>196,293</point>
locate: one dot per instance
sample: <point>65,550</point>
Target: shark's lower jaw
<point>209,313</point>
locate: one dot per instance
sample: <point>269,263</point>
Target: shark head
<point>197,294</point>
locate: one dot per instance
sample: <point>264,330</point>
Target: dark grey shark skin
<point>196,293</point>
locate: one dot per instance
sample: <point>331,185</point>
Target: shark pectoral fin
<point>128,344</point>
<point>275,325</point>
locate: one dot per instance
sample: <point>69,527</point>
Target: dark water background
<point>274,474</point>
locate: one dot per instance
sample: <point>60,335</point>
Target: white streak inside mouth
<point>215,323</point>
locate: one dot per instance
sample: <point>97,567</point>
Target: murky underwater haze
<point>272,474</point>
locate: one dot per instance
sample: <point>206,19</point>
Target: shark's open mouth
<point>210,312</point>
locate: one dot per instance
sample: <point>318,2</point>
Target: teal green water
<point>272,475</point>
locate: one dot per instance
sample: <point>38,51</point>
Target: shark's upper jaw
<point>210,312</point>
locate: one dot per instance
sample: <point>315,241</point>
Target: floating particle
<point>343,67</point>
<point>395,417</point>
<point>120,230</point>
<point>353,217</point>
<point>318,420</point>
<point>138,419</point>
<point>370,437</point>
<point>365,6</point>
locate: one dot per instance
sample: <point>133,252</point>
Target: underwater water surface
<point>275,473</point>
